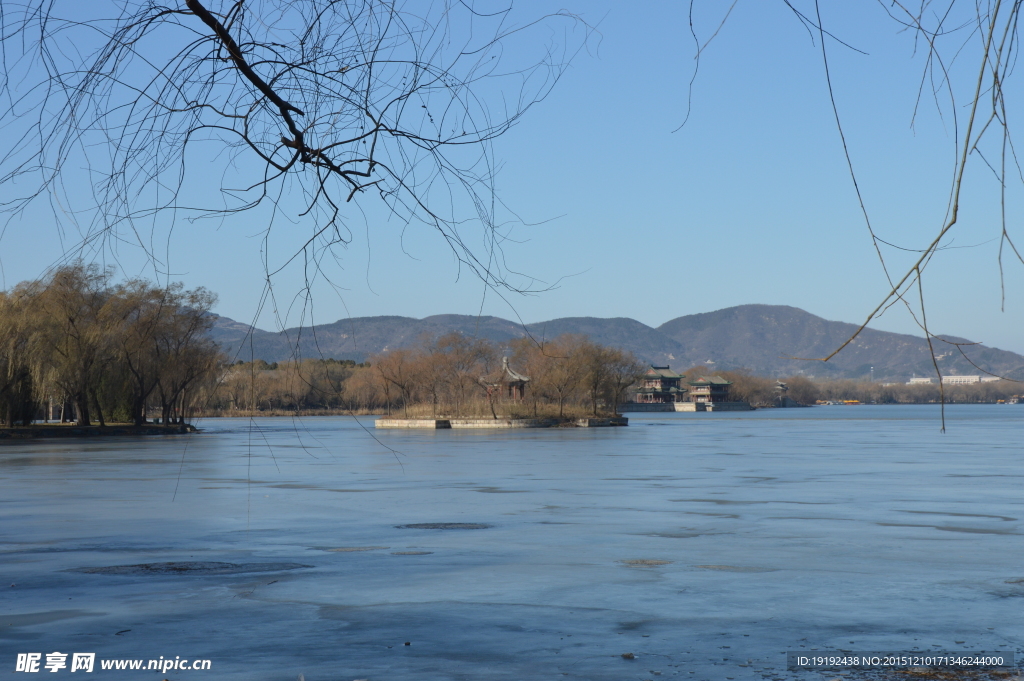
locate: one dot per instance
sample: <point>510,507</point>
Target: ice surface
<point>704,544</point>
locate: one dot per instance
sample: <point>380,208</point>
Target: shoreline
<point>40,431</point>
<point>503,422</point>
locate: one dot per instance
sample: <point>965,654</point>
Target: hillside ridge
<point>763,339</point>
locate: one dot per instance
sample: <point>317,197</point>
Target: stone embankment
<point>589,422</point>
<point>686,406</point>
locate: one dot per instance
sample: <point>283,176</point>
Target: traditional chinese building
<point>709,389</point>
<point>506,382</point>
<point>660,385</point>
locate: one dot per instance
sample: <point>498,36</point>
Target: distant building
<point>921,381</point>
<point>709,389</point>
<point>782,399</point>
<point>660,385</point>
<point>960,380</point>
<point>967,380</point>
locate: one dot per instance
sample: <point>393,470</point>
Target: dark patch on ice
<point>721,502</point>
<point>189,568</point>
<point>29,619</point>
<point>1007,594</point>
<point>645,562</point>
<point>645,479</point>
<point>808,517</point>
<point>960,515</point>
<point>951,528</point>
<point>632,626</point>
<point>713,515</point>
<point>673,535</point>
<point>237,481</point>
<point>411,553</point>
<point>290,485</point>
<point>1014,590</point>
<point>735,568</point>
<point>94,548</point>
<point>734,502</point>
<point>444,526</point>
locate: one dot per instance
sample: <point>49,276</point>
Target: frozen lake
<point>704,544</point>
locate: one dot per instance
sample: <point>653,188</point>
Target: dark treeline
<point>113,353</point>
<point>296,386</point>
<point>77,343</point>
<point>569,376</point>
<point>977,393</point>
<point>449,376</point>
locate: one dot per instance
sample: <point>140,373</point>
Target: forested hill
<point>761,338</point>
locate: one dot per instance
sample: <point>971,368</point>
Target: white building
<point>954,380</point>
<point>961,380</point>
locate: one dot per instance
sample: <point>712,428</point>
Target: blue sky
<point>625,214</point>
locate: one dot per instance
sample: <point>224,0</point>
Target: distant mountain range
<point>760,338</point>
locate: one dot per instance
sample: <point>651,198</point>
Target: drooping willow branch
<point>286,98</point>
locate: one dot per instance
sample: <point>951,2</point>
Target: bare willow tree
<point>110,351</point>
<point>124,113</point>
<point>16,386</point>
<point>968,50</point>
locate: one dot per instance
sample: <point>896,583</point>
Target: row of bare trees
<point>762,391</point>
<point>110,352</point>
<point>452,375</point>
<point>304,386</point>
<point>572,370</point>
<point>927,393</point>
<point>458,376</point>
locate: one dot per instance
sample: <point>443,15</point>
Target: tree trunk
<point>99,409</point>
<point>82,409</point>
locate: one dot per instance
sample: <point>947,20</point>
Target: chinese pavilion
<point>506,382</point>
<point>661,385</point>
<point>711,389</point>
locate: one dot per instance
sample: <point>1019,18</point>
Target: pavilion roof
<point>710,380</point>
<point>506,374</point>
<point>662,372</point>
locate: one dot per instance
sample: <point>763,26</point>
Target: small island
<point>572,383</point>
